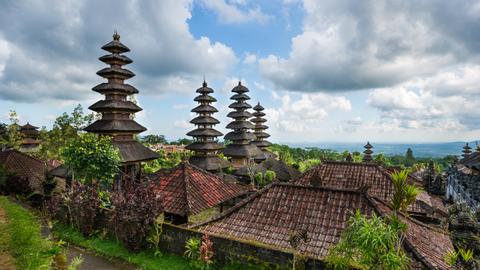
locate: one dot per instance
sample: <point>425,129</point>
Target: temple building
<point>463,179</point>
<point>259,130</point>
<point>205,145</point>
<point>241,151</point>
<point>30,134</point>
<point>367,157</point>
<point>117,111</point>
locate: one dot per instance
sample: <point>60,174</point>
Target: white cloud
<point>53,49</point>
<point>250,58</point>
<point>372,44</point>
<point>304,113</point>
<point>234,12</point>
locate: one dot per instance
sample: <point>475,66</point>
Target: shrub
<point>206,250</point>
<point>270,176</point>
<point>83,203</point>
<point>134,212</point>
<point>192,248</point>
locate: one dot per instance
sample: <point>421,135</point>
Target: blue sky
<point>326,71</point>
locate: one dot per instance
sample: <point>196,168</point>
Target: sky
<point>326,71</point>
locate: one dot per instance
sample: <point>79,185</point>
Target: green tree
<point>409,158</point>
<point>369,243</point>
<point>92,158</point>
<point>270,176</point>
<point>153,139</point>
<point>12,138</point>
<point>65,129</point>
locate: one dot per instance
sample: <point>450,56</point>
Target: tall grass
<point>22,238</point>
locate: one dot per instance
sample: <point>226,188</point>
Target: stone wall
<point>228,250</point>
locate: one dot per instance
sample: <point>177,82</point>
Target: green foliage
<point>404,193</point>
<point>76,263</point>
<point>153,139</point>
<point>22,239</point>
<point>92,158</point>
<point>270,176</point>
<point>259,179</point>
<point>369,243</point>
<point>192,248</point>
<point>12,137</point>
<point>165,161</point>
<point>65,129</point>
<point>461,258</point>
<point>155,236</point>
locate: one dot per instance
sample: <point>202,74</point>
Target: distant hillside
<point>390,149</point>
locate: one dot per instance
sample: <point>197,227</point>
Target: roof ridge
<point>186,180</point>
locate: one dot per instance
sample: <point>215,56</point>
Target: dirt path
<point>93,261</point>
<point>6,260</point>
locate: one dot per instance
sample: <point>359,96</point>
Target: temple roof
<point>188,190</point>
<point>209,163</point>
<point>204,120</point>
<point>28,126</point>
<point>115,46</point>
<point>204,89</point>
<point>133,151</point>
<point>104,88</point>
<point>114,105</point>
<point>239,135</point>
<point>280,210</point>
<point>109,126</point>
<point>30,169</point>
<point>242,150</point>
<point>115,59</point>
<point>115,73</point>
<point>240,88</point>
<point>204,132</point>
<point>239,114</point>
<point>204,146</point>
<point>204,109</point>
<point>240,124</point>
<point>339,174</point>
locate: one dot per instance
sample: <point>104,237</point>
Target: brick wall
<point>227,250</point>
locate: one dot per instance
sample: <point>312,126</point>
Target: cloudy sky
<point>327,71</point>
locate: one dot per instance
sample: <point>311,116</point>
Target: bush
<point>83,203</point>
<point>134,212</point>
<point>270,176</point>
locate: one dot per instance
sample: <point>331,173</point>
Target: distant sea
<point>390,149</point>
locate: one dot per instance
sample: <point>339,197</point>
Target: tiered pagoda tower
<point>241,150</point>
<point>467,150</point>
<point>205,145</point>
<point>259,129</point>
<point>117,110</point>
<point>367,157</point>
<point>30,136</point>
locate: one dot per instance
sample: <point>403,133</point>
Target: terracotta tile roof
<point>428,244</point>
<point>282,209</point>
<point>188,190</point>
<point>353,176</point>
<point>25,166</point>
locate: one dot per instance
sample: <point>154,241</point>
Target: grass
<point>114,250</point>
<point>21,238</point>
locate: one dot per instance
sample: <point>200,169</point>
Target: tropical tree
<point>153,139</point>
<point>92,158</point>
<point>12,138</point>
<point>65,129</point>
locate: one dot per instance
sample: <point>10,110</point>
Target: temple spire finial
<point>204,81</point>
<point>116,36</point>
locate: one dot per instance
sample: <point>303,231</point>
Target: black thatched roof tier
<point>108,88</point>
<point>239,135</point>
<point>242,151</point>
<point>204,89</point>
<point>115,46</point>
<point>133,151</point>
<point>115,109</point>
<point>205,145</point>
<point>28,126</point>
<point>115,73</point>
<point>204,109</point>
<point>110,126</point>
<point>240,88</point>
<point>260,127</point>
<point>204,132</point>
<point>367,157</point>
<point>240,97</point>
<point>115,105</point>
<point>209,163</point>
<point>240,105</point>
<point>239,124</point>
<point>258,120</point>
<point>115,59</point>
<point>239,114</point>
<point>205,98</point>
<point>204,120</point>
<point>260,134</point>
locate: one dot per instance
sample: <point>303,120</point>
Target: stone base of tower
<point>209,163</point>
